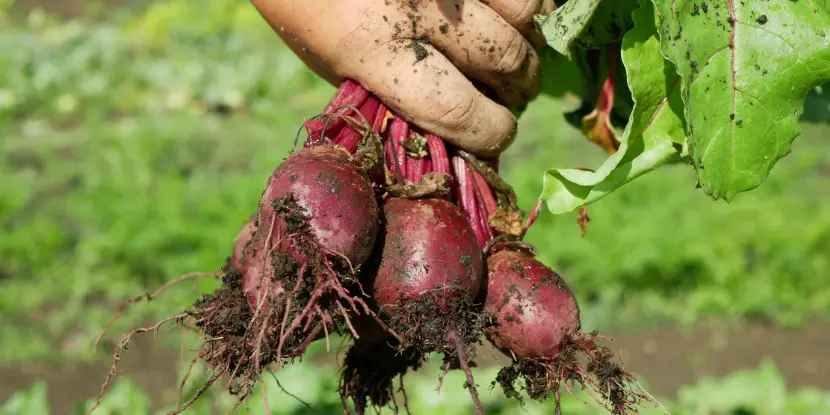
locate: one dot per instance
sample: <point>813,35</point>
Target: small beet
<point>317,223</point>
<point>322,202</point>
<point>428,275</point>
<point>536,311</point>
<point>291,278</point>
<point>429,249</point>
<point>534,318</point>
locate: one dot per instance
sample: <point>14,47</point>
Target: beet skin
<point>535,310</point>
<point>331,199</point>
<point>429,249</point>
<point>536,322</point>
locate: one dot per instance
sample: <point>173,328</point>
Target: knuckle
<point>458,113</point>
<point>502,142</point>
<point>513,56</point>
<point>523,15</point>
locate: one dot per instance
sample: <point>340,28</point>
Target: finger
<point>486,47</point>
<point>520,14</point>
<point>434,95</point>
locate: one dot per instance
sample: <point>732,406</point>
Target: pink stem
<point>349,93</point>
<point>377,120</point>
<point>348,136</point>
<point>466,198</point>
<point>481,188</point>
<point>413,165</point>
<point>396,161</point>
<point>486,194</point>
<point>377,175</point>
<point>438,154</point>
<point>427,166</point>
<point>532,217</point>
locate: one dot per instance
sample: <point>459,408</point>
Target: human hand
<point>419,57</point>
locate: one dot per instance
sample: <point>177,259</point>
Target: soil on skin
<point>425,325</point>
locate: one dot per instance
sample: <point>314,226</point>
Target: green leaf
<point>746,67</point>
<point>654,131</point>
<point>586,23</point>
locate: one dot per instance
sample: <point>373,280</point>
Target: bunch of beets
<point>383,232</point>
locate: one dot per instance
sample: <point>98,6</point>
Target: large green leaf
<point>746,67</point>
<point>586,23</point>
<point>654,132</point>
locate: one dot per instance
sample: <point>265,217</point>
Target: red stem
<point>467,198</point>
<point>349,137</point>
<point>349,93</point>
<point>413,165</point>
<point>481,188</point>
<point>486,194</point>
<point>396,154</point>
<point>380,115</point>
<point>606,98</point>
<point>438,154</point>
<point>532,217</point>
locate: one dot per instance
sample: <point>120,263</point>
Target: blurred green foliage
<point>115,180</point>
<point>760,391</point>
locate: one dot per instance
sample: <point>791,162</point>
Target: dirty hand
<point>418,56</point>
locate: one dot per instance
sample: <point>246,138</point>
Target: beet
<point>295,281</point>
<point>322,202</point>
<point>429,249</point>
<point>536,311</point>
<point>428,275</point>
<point>534,318</point>
<point>292,275</point>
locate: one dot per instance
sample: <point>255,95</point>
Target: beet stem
<point>534,214</point>
<point>486,193</point>
<point>397,133</point>
<point>349,137</point>
<point>438,154</point>
<point>466,198</point>
<point>353,94</point>
<point>481,205</point>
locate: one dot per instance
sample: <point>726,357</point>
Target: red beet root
<point>535,320</point>
<point>430,271</point>
<point>429,249</point>
<point>535,309</point>
<point>292,268</point>
<point>331,202</point>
